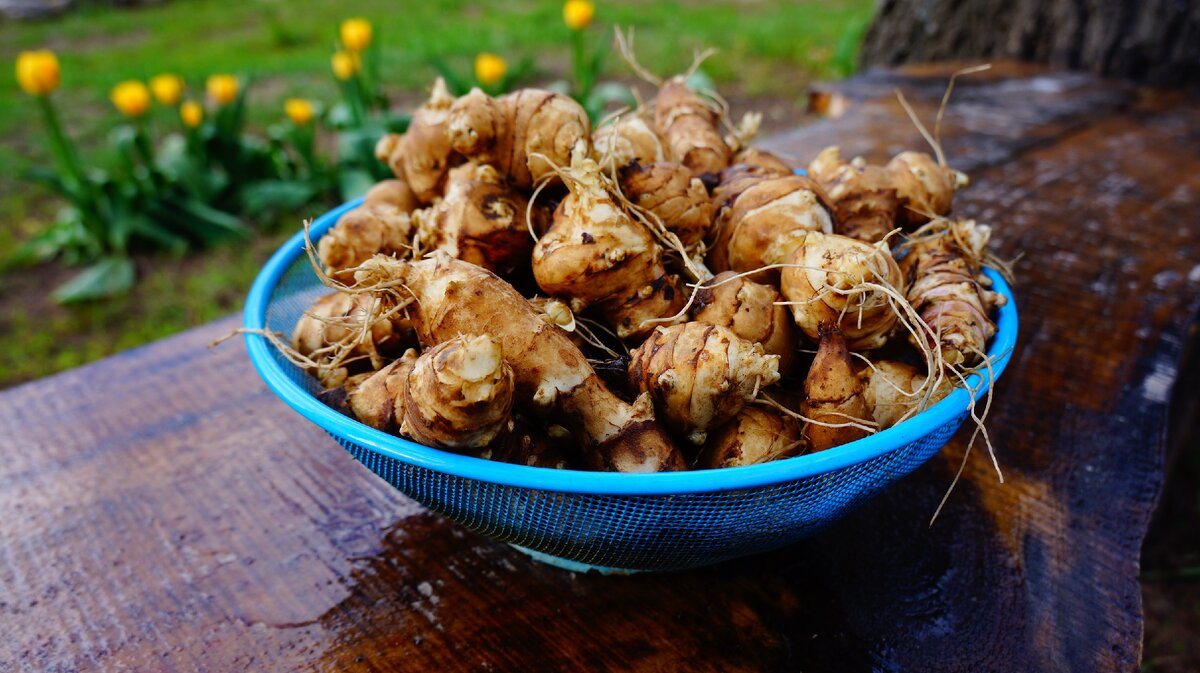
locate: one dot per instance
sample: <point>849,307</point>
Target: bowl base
<point>567,564</point>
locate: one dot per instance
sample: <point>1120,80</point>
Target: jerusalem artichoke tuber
<point>596,254</point>
<point>894,391</point>
<point>423,154</point>
<point>331,334</point>
<point>947,288</point>
<point>751,310</point>
<point>840,281</point>
<point>689,126</point>
<point>479,220</point>
<point>700,375</point>
<point>452,298</point>
<point>755,435</point>
<point>762,214</point>
<point>459,394</point>
<point>833,404</point>
<point>525,134</point>
<point>673,194</point>
<point>378,400</point>
<point>377,228</point>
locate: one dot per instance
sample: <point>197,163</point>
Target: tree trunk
<point>1153,41</point>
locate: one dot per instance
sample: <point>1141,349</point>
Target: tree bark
<point>1152,41</point>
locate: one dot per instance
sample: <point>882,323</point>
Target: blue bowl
<point>610,521</point>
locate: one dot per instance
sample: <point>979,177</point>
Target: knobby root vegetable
<point>479,220</point>
<point>752,311</point>
<point>894,391</point>
<point>838,280</point>
<point>395,193</point>
<point>738,178</point>
<point>834,404</point>
<point>331,333</point>
<point>947,288</point>
<point>423,154</point>
<point>762,160</point>
<point>378,399</point>
<point>525,135</point>
<point>452,298</point>
<point>338,398</point>
<point>595,254</point>
<point>459,394</point>
<point>864,196</point>
<point>764,213</point>
<point>925,187</point>
<point>673,194</point>
<point>378,228</point>
<point>872,200</point>
<point>699,375</point>
<point>755,435</point>
<point>690,127</point>
<point>626,139</point>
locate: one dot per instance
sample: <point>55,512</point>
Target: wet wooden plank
<point>162,511</point>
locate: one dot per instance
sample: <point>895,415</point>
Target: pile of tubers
<point>651,295</point>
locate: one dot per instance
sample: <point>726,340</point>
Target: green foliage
<point>845,53</point>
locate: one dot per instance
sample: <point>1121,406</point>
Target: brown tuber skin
<point>627,139</point>
<point>833,394</point>
<point>924,187</point>
<point>395,193</point>
<point>378,399</point>
<point>826,285</point>
<point>762,160</point>
<point>864,196</point>
<point>889,391</point>
<point>459,394</point>
<point>455,298</point>
<point>422,155</point>
<point>700,375</point>
<point>871,200</point>
<point>480,220</point>
<point>750,310</point>
<point>690,127</point>
<point>335,318</point>
<point>595,254</point>
<point>738,178</point>
<point>672,194</point>
<point>370,229</point>
<point>947,288</point>
<point>755,435</point>
<point>765,212</point>
<point>524,134</point>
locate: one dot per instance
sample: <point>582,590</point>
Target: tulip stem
<point>63,149</point>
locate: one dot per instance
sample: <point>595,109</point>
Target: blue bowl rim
<point>599,483</point>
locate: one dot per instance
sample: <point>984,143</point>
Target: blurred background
<point>277,51</point>
<point>154,154</point>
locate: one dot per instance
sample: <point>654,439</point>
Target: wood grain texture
<point>162,511</point>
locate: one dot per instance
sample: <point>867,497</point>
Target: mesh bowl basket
<point>608,521</point>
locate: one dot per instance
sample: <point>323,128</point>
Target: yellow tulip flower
<point>131,98</point>
<point>37,72</point>
<point>489,69</point>
<point>577,14</point>
<point>191,114</point>
<point>345,64</point>
<point>223,89</point>
<point>356,34</point>
<point>298,110</point>
<point>167,89</point>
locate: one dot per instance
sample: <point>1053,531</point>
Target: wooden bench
<point>162,511</point>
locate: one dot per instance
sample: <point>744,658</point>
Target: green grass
<point>769,47</point>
